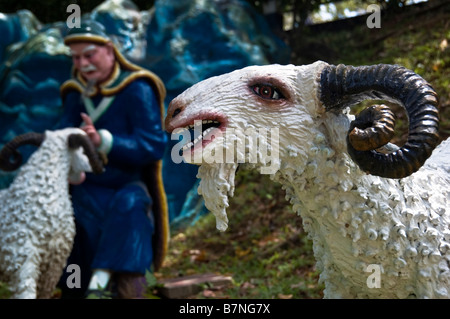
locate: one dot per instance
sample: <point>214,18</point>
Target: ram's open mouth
<point>200,132</point>
<point>197,131</point>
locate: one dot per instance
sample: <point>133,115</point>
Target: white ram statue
<point>36,216</point>
<point>378,214</point>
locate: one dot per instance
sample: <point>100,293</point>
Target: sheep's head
<point>291,104</point>
<point>240,104</point>
<point>82,154</point>
<point>233,114</point>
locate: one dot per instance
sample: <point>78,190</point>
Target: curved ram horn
<point>10,157</point>
<point>77,140</point>
<point>372,128</point>
<point>342,86</point>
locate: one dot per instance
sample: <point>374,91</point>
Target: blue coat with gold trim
<point>114,228</point>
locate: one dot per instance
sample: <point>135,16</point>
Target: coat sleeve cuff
<point>107,141</point>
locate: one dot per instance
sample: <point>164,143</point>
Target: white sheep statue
<point>37,226</point>
<point>378,214</point>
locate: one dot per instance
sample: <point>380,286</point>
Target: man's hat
<point>89,31</point>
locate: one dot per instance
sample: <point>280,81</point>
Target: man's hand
<point>90,130</point>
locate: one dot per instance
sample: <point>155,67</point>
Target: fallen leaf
<point>190,271</point>
<point>179,237</point>
<point>241,253</point>
<point>281,296</point>
<point>246,285</point>
<point>197,255</point>
<point>436,66</point>
<point>299,285</point>
<point>443,45</point>
<point>272,238</point>
<point>209,293</point>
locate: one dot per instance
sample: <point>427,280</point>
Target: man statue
<point>121,215</point>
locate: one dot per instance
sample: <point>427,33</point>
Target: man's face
<point>94,62</point>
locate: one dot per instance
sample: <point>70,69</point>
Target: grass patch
<point>265,249</point>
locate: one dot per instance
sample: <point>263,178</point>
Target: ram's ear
<point>309,85</point>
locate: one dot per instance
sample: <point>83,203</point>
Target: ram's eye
<point>267,91</point>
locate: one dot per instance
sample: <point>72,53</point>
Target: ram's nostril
<point>176,112</point>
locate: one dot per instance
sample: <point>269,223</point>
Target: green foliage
<point>5,293</point>
<point>152,285</point>
<point>100,293</point>
<point>427,52</point>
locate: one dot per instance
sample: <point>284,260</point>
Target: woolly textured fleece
<point>36,217</point>
<point>353,218</point>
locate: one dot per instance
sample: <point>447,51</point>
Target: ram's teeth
<point>198,123</point>
<point>204,133</point>
<point>207,131</point>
